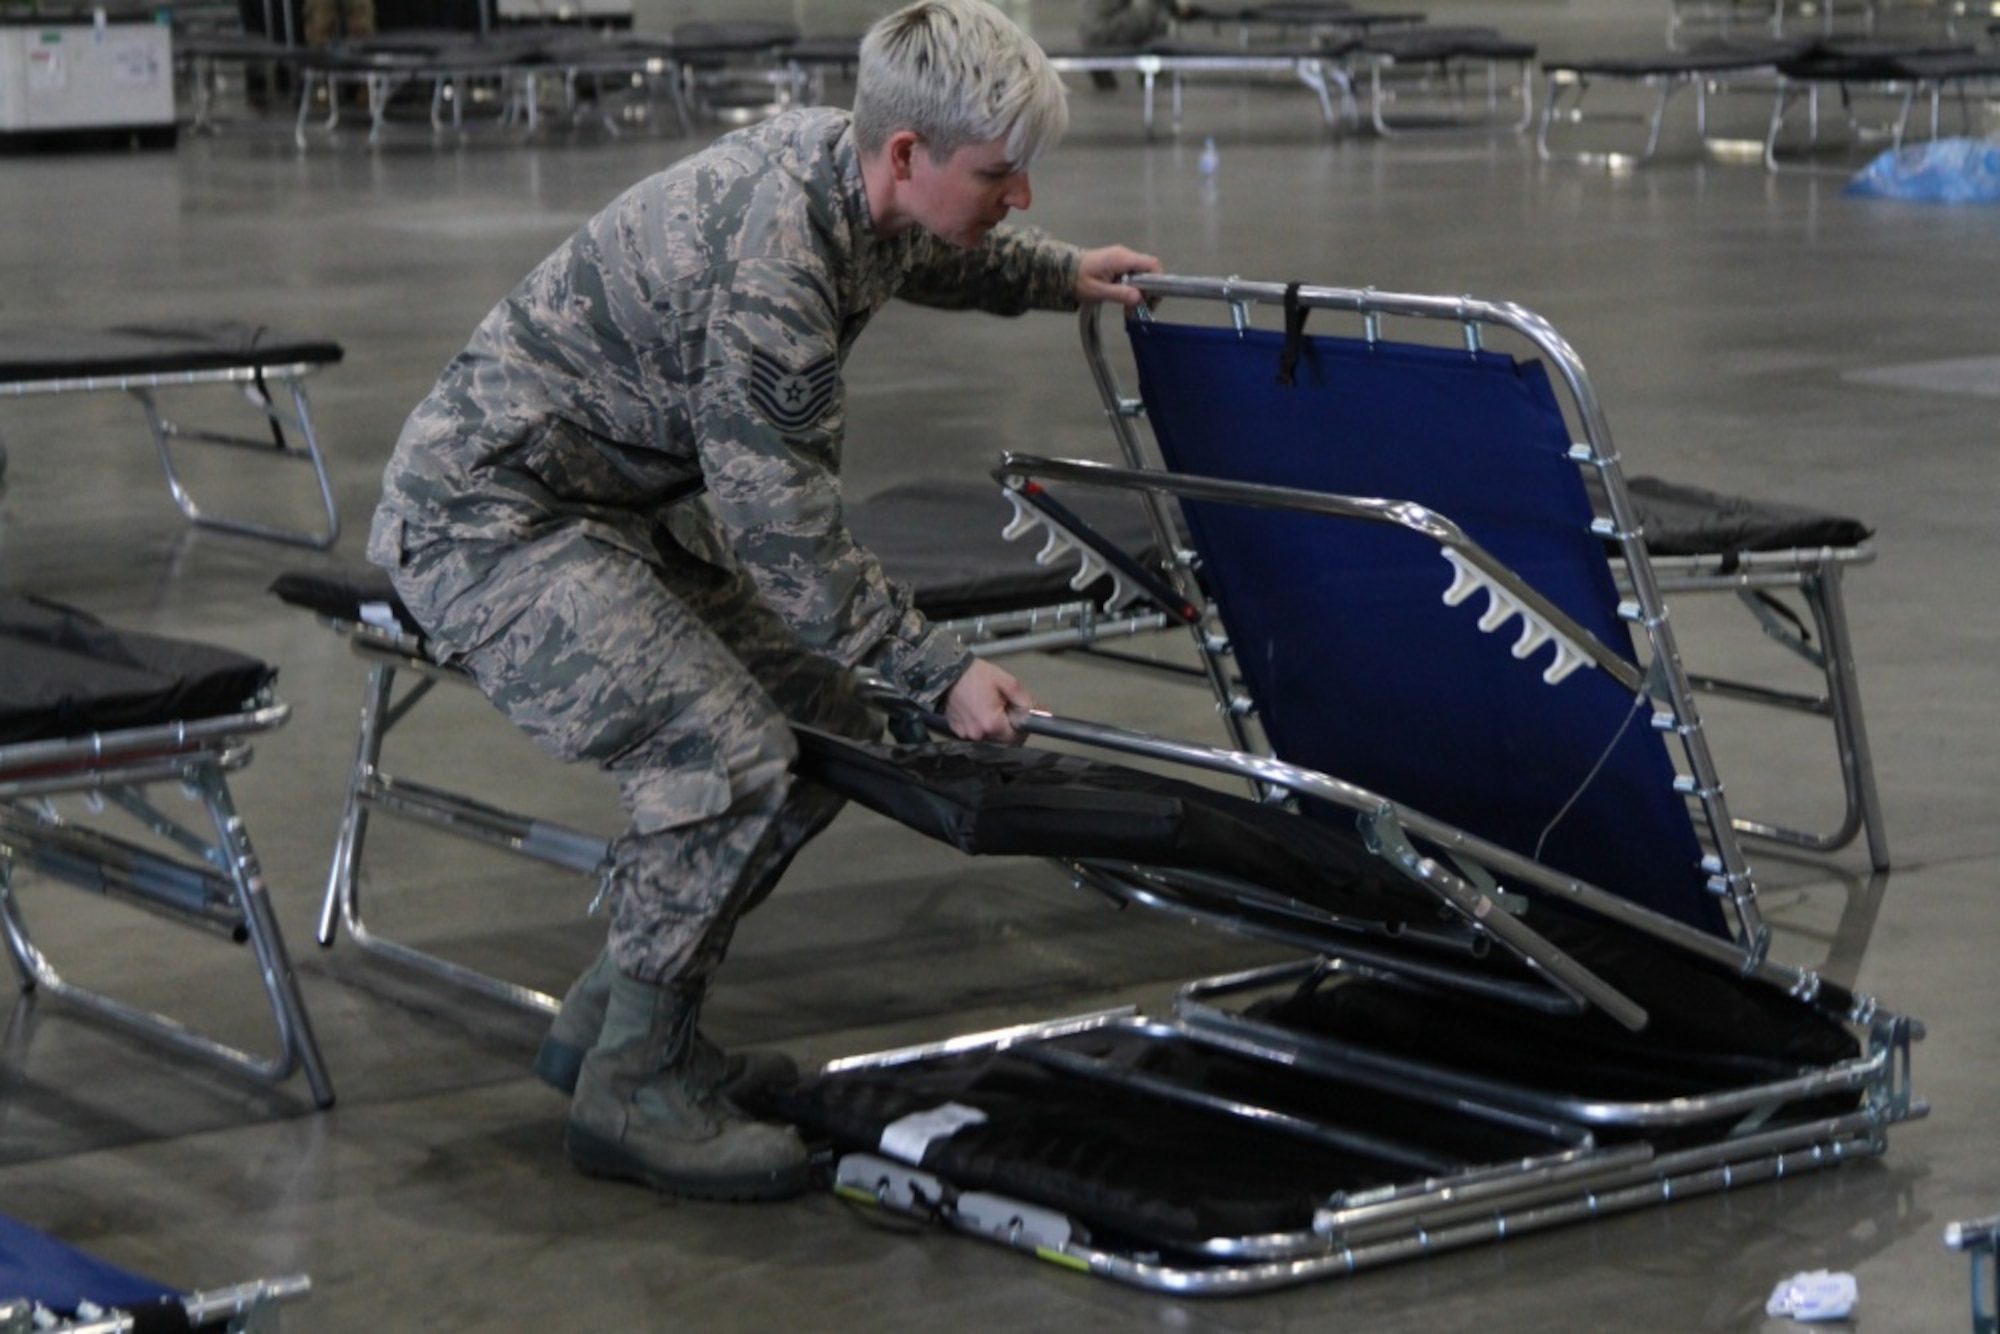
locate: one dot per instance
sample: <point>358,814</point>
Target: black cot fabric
<point>1709,58</point>
<point>154,349</point>
<point>1688,521</point>
<point>1002,801</point>
<point>345,593</point>
<point>1707,1031</point>
<point>942,538</point>
<point>65,673</point>
<point>1104,1149</point>
<point>989,800</point>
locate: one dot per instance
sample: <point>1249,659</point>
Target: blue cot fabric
<point>36,1266</point>
<point>1339,627</point>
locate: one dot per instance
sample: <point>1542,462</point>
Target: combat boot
<point>638,1115</point>
<point>575,1028</point>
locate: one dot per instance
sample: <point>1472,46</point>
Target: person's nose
<point>1019,194</point>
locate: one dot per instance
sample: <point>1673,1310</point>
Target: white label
<point>906,1139</point>
<point>45,68</point>
<point>135,64</point>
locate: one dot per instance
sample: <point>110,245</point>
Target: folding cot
<point>146,360</point>
<point>505,75</point>
<point>49,1285</point>
<point>1315,66</point>
<point>736,69</point>
<point>200,59</point>
<point>1324,22</point>
<point>1893,75</point>
<point>1535,985</point>
<point>947,538</point>
<point>1706,68</point>
<point>95,723</point>
<point>1424,78</point>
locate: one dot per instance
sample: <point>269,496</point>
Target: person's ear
<point>902,149</point>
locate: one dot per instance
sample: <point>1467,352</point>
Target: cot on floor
<point>1532,985</point>
<point>1571,131</point>
<point>1842,95</point>
<point>1318,67</point>
<point>100,729</point>
<point>49,1285</point>
<point>147,361</point>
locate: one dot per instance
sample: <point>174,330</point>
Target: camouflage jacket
<point>690,337</point>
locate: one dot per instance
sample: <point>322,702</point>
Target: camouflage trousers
<point>674,676</point>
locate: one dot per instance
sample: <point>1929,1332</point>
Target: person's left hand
<point>978,704</point>
<point>1098,272</point>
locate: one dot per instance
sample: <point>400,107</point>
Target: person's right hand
<point>977,704</point>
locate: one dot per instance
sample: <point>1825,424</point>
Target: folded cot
<point>1533,982</point>
<point>98,726</point>
<point>49,1285</point>
<point>152,360</point>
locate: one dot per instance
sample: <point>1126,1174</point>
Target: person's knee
<point>734,761</point>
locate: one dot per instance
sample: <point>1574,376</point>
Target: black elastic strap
<point>1295,334</point>
<point>264,391</point>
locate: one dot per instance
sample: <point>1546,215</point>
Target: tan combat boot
<point>640,1115</point>
<point>735,1075</point>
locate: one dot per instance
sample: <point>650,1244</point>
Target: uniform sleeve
<point>1016,270</point>
<point>768,418</point>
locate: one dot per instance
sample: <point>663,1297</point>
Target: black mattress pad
<point>64,673</point>
<point>137,350</point>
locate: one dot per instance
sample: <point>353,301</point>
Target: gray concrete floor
<point>1759,334</point>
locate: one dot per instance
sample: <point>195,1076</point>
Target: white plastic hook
<point>1502,607</point>
<point>1059,545</point>
<point>1024,520</point>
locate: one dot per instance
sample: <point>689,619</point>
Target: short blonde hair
<point>957,72</point>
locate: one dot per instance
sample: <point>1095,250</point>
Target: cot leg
<point>439,809</point>
<point>233,861</point>
<point>342,904</point>
<point>1823,595</point>
<point>27,960</point>
<point>164,431</point>
<point>1841,705</point>
<point>296,1043</point>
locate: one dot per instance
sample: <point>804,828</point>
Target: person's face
<point>965,196</point>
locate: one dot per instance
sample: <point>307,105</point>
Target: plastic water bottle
<point>1211,161</point>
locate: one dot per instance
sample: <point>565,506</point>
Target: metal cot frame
<point>212,881</point>
<point>1653,1150</point>
<point>1578,1179</point>
<point>402,673</point>
<point>1707,70</point>
<point>1815,574</point>
<point>255,377</point>
<point>1317,68</point>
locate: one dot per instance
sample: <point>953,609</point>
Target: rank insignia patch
<point>792,399</point>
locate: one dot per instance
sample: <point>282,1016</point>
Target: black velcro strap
<point>1295,335</point>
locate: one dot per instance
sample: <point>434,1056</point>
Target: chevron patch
<point>792,400</point>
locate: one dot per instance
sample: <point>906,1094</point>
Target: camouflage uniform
<point>619,509</point>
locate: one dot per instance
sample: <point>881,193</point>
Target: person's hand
<point>1097,274</point>
<point>976,705</point>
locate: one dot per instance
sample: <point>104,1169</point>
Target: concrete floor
<point>1759,334</point>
